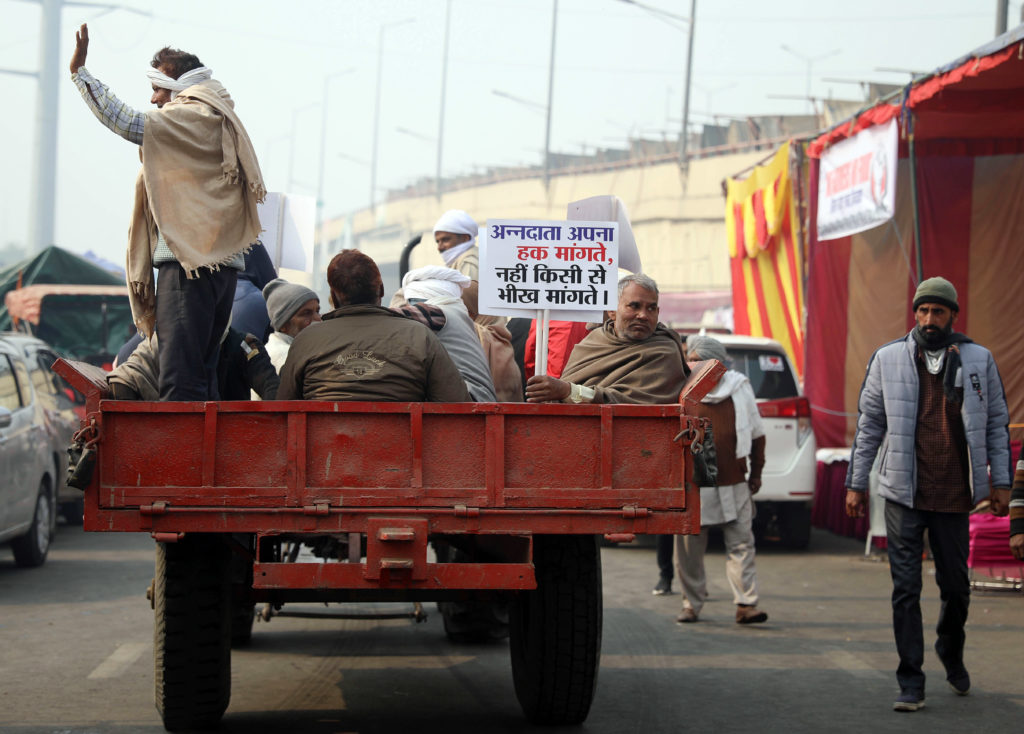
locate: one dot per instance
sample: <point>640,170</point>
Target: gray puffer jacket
<point>888,419</point>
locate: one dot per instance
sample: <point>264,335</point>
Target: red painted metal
<point>438,577</point>
<point>394,472</point>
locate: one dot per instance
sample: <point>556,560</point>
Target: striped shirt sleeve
<point>112,112</point>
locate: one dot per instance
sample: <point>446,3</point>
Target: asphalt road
<point>76,656</point>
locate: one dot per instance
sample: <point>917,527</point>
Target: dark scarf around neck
<point>949,342</point>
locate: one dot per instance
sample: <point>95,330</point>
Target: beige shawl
<point>625,371</point>
<point>199,186</point>
<point>501,358</point>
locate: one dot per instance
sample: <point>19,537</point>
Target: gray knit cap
<point>936,290</point>
<point>705,347</point>
<point>284,299</point>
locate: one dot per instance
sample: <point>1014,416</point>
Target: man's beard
<point>935,334</point>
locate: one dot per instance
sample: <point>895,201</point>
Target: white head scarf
<point>434,283</point>
<point>457,221</point>
<point>183,82</point>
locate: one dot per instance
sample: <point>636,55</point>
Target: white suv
<point>790,470</point>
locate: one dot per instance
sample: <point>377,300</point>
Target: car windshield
<point>768,372</point>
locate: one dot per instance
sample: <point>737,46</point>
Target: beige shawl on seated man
<point>626,371</point>
<point>199,186</point>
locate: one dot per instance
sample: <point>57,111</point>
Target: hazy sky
<point>618,70</point>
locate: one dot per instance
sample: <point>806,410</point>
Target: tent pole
<point>913,199</point>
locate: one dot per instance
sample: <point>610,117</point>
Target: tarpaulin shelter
<point>765,256</point>
<point>959,214</point>
<point>90,321</point>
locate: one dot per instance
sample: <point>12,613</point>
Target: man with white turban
<point>455,234</point>
<point>442,287</point>
<point>195,211</point>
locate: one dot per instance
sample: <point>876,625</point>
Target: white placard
<point>569,267</point>
<point>289,230</point>
<point>857,182</point>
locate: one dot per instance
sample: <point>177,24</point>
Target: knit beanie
<point>284,299</point>
<point>705,347</point>
<point>936,290</point>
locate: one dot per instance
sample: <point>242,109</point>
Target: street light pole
<point>551,92</point>
<point>376,108</point>
<point>44,171</point>
<point>44,183</point>
<point>444,87</point>
<point>686,87</point>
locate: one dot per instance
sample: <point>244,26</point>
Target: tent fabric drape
<point>975,98</point>
<point>968,127</point>
<point>765,256</point>
<point>860,288</point>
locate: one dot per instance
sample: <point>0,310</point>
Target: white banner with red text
<point>857,185</point>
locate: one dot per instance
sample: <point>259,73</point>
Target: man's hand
<point>545,389</point>
<point>755,485</point>
<point>1017,546</point>
<point>81,49</point>
<point>999,502</point>
<point>855,504</point>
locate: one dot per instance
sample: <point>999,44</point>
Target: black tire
<point>31,549</point>
<point>243,608</point>
<point>555,640</point>
<point>73,511</point>
<point>243,614</point>
<point>192,632</point>
<point>794,520</point>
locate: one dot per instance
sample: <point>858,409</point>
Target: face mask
<point>452,253</point>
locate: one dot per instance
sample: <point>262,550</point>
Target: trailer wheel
<point>555,639</point>
<point>192,632</point>
<point>243,608</point>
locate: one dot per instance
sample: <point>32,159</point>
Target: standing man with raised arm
<point>195,210</point>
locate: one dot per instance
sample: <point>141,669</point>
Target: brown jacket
<point>368,352</point>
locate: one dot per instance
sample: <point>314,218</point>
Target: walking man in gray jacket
<point>933,405</point>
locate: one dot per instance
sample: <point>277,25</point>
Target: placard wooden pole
<point>543,324</point>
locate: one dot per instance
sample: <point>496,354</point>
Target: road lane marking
<point>830,660</point>
<point>120,660</point>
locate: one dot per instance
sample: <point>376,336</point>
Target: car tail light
<point>798,408</point>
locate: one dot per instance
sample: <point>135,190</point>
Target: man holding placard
<point>629,359</point>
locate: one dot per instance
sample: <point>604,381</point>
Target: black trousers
<point>191,316</point>
<point>949,539</point>
<point>664,547</point>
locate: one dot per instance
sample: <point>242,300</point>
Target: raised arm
<point>108,109</point>
<point>81,48</point>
